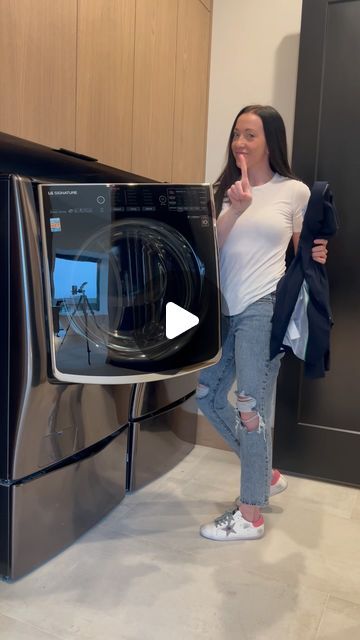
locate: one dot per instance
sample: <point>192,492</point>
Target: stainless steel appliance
<point>162,427</point>
<point>115,255</point>
<point>89,258</point>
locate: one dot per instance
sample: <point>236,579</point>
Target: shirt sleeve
<point>301,199</point>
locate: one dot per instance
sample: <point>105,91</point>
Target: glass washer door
<point>148,265</point>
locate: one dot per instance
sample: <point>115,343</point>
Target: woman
<point>261,205</point>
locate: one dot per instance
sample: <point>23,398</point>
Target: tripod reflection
<point>83,306</point>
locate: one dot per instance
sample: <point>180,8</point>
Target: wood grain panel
<point>38,65</point>
<point>191,95</point>
<point>154,89</point>
<point>207,3</point>
<point>105,80</point>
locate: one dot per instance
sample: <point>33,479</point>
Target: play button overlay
<point>178,320</point>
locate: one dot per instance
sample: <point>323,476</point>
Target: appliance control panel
<point>193,200</point>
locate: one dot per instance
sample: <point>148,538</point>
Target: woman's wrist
<point>236,212</point>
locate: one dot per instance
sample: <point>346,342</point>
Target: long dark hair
<point>275,136</point>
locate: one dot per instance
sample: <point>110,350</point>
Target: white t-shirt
<point>252,259</point>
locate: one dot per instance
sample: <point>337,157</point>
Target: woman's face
<point>249,140</point>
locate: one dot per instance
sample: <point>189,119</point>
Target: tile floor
<point>144,573</point>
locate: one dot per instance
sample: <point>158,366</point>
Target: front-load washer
<point>82,325</point>
<point>115,256</point>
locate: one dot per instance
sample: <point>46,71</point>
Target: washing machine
<point>116,256</point>
<point>90,258</point>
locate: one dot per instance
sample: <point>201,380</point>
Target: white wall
<point>254,56</point>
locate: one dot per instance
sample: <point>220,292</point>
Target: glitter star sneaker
<point>278,483</point>
<point>232,526</point>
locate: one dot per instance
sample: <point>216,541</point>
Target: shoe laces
<point>225,518</point>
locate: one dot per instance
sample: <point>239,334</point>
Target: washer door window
<point>110,277</point>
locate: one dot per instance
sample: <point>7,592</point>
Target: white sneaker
<point>232,526</point>
<point>278,486</point>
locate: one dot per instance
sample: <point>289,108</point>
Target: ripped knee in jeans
<point>201,391</point>
<point>249,417</point>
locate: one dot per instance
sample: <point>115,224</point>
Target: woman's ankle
<point>249,512</point>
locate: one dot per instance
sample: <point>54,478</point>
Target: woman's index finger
<point>243,166</point>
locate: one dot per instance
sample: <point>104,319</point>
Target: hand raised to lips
<point>239,193</point>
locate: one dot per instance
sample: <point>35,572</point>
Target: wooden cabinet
<point>191,93</point>
<point>124,81</point>
<point>207,3</point>
<point>154,88</point>
<point>38,70</point>
<point>172,43</point>
<point>105,76</point>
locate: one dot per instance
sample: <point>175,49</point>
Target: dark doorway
<point>317,430</point>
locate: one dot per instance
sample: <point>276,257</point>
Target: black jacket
<point>320,221</point>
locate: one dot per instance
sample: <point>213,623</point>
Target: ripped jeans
<point>245,357</point>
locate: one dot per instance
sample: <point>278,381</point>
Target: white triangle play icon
<point>178,320</point>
